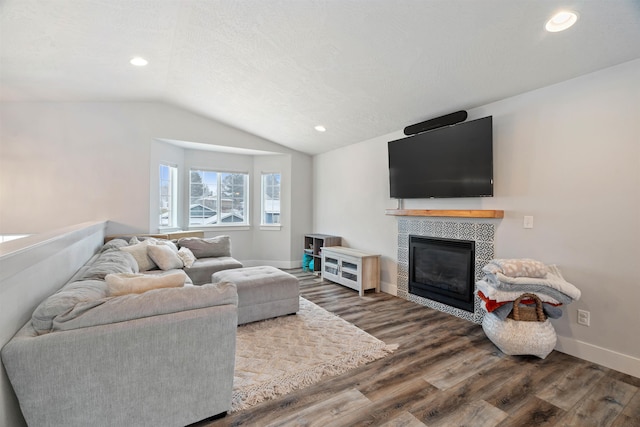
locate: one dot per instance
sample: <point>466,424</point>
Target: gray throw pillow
<point>112,261</point>
<point>113,244</point>
<point>218,246</point>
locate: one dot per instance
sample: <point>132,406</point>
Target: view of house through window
<point>217,198</point>
<point>168,196</point>
<point>270,198</point>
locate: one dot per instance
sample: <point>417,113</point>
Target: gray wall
<point>569,155</point>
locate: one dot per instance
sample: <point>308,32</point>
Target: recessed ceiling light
<point>561,21</point>
<point>139,61</point>
<point>320,128</point>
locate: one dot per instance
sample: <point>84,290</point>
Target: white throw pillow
<point>187,257</point>
<point>139,252</point>
<point>164,256</point>
<point>167,243</point>
<point>128,283</point>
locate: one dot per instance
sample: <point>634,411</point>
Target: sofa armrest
<point>169,369</point>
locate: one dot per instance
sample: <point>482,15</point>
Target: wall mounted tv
<point>453,161</point>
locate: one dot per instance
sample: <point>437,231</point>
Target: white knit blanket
<point>554,280</point>
<point>520,267</point>
<point>505,296</point>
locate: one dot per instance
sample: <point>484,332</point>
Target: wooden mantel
<point>486,213</point>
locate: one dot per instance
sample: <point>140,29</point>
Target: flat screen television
<point>453,161</point>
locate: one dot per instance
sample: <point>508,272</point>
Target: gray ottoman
<point>263,292</point>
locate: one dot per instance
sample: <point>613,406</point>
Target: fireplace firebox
<point>442,270</point>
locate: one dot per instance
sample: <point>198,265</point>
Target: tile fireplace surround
<point>481,231</point>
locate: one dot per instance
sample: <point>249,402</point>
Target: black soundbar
<point>438,122</point>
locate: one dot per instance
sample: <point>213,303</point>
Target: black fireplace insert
<point>442,270</point>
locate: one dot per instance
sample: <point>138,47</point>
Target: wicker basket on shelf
<point>524,313</point>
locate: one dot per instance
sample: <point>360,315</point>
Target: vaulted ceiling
<point>277,68</point>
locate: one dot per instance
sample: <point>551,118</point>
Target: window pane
<point>217,198</point>
<point>168,196</point>
<point>271,198</point>
<point>202,190</point>
<point>232,202</point>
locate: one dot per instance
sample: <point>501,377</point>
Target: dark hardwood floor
<point>444,373</point>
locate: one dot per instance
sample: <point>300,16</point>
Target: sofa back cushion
<point>113,244</point>
<point>219,246</point>
<point>86,288</point>
<point>109,262</point>
<point>87,293</point>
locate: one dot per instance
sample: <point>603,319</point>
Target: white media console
<point>352,268</point>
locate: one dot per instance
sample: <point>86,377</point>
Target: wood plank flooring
<point>444,373</point>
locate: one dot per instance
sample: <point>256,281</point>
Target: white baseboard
<point>389,288</point>
<point>611,359</point>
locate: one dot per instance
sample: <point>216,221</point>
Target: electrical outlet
<point>584,317</point>
<point>528,222</point>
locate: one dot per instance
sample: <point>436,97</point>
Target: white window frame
<point>263,201</point>
<point>218,196</point>
<point>172,202</point>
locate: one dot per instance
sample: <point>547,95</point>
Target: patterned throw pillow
<point>187,257</point>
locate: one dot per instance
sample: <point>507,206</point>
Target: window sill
<point>162,230</point>
<point>270,227</point>
<point>242,227</point>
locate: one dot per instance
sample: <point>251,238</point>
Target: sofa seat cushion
<point>202,269</point>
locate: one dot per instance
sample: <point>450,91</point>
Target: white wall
<point>302,211</point>
<point>67,163</point>
<point>569,155</point>
<point>64,164</point>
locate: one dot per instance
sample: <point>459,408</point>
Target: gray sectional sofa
<point>96,353</point>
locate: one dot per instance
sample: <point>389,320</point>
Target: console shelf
<point>313,244</point>
<point>486,213</point>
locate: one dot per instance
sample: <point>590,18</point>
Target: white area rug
<point>277,356</point>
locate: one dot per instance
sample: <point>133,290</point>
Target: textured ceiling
<point>361,68</point>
